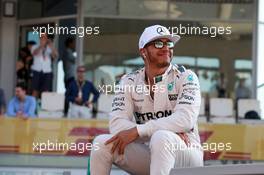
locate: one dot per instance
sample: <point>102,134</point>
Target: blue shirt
<point>28,107</point>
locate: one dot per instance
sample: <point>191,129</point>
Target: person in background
<point>221,86</point>
<point>21,106</point>
<point>68,60</point>
<point>69,66</point>
<point>2,102</point>
<point>242,91</point>
<point>78,94</point>
<point>24,64</point>
<point>43,53</point>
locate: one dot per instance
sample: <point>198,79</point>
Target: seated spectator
<point>78,93</point>
<point>22,105</point>
<point>2,102</point>
<point>242,91</point>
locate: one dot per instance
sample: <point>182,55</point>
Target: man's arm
<point>32,108</point>
<point>186,109</point>
<point>11,108</point>
<point>121,117</point>
<point>69,56</point>
<point>54,52</point>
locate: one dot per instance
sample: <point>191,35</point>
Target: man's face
<point>72,45</point>
<point>80,74</point>
<point>161,57</point>
<point>20,93</point>
<point>29,46</point>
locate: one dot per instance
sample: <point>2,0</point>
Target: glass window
<point>212,10</point>
<point>184,60</point>
<point>207,79</point>
<point>102,7</point>
<point>243,64</point>
<point>165,9</point>
<point>30,9</point>
<point>146,8</point>
<point>208,62</point>
<point>25,10</point>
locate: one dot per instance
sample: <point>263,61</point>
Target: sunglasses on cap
<point>160,44</point>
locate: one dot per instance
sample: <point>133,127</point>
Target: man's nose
<point>165,47</point>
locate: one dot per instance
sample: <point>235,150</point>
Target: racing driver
<point>153,126</point>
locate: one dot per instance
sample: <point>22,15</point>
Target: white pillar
<point>8,54</point>
<point>260,57</point>
<point>80,23</point>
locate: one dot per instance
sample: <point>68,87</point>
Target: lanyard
<point>80,85</point>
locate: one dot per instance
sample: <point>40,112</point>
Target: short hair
<point>22,86</point>
<point>31,42</point>
<point>81,67</point>
<point>69,40</point>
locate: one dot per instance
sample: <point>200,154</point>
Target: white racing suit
<point>173,110</point>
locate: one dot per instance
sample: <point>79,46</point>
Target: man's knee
<point>99,142</point>
<point>166,140</point>
<point>160,139</point>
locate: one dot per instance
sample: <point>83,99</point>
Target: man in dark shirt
<point>78,94</point>
<point>24,64</point>
<point>68,60</point>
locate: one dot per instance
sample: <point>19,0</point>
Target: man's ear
<point>142,53</point>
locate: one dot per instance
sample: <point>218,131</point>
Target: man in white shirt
<point>153,125</point>
<point>43,53</point>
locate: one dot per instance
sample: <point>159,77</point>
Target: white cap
<point>155,32</point>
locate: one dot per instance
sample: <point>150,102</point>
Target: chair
<point>245,105</point>
<point>202,117</point>
<point>52,105</point>
<point>221,110</point>
<point>105,105</point>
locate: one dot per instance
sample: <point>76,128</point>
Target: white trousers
<point>141,159</point>
<point>77,111</point>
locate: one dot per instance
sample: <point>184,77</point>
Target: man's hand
<point>21,116</point>
<point>78,100</point>
<point>89,104</point>
<point>122,139</point>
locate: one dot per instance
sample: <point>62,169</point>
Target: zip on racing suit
<point>168,124</point>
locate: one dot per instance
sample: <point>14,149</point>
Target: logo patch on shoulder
<point>190,77</point>
<point>170,86</point>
